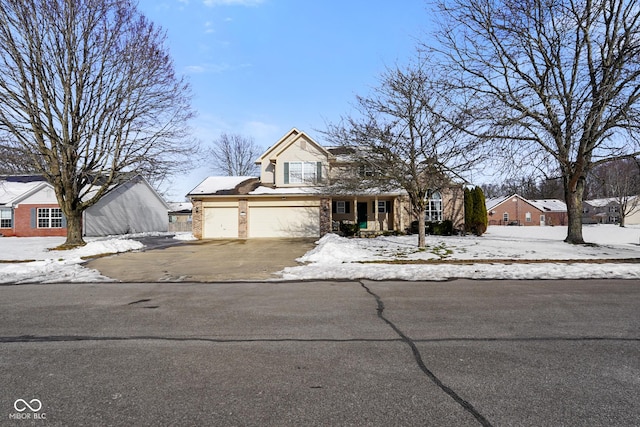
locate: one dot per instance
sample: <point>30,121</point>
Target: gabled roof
<point>286,141</point>
<point>14,189</point>
<point>493,202</point>
<point>224,185</point>
<point>180,206</point>
<point>543,205</point>
<point>549,205</point>
<point>600,203</point>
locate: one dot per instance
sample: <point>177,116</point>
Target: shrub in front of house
<point>349,228</point>
<point>434,228</point>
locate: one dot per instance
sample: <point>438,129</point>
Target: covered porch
<point>367,215</point>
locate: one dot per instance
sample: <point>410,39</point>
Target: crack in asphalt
<point>423,367</point>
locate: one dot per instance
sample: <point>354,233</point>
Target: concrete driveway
<point>205,261</point>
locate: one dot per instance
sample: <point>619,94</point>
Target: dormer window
<point>302,172</point>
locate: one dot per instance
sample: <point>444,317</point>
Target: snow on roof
<point>549,205</point>
<point>493,202</point>
<point>12,191</point>
<point>214,184</point>
<point>544,205</point>
<point>180,206</point>
<point>599,203</point>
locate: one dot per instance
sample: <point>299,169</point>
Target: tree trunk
<point>74,230</point>
<point>622,217</point>
<point>573,198</point>
<point>422,238</point>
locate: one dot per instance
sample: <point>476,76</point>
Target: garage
<point>220,223</point>
<point>284,221</point>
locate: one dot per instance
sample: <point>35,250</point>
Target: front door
<point>362,215</point>
<point>542,220</point>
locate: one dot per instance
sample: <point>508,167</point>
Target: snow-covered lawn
<point>503,252</point>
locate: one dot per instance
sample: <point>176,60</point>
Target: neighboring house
<point>516,210</point>
<point>290,198</point>
<point>131,207</point>
<point>28,207</point>
<point>180,216</point>
<point>608,211</point>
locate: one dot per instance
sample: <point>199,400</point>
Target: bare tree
<point>14,160</point>
<point>89,93</point>
<point>235,155</point>
<point>553,82</point>
<point>399,139</point>
<point>620,181</point>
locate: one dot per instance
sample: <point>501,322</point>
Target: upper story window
<point>49,218</point>
<point>368,171</point>
<point>302,172</point>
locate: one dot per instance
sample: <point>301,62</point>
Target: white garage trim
<point>220,223</point>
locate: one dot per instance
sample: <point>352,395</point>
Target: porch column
<point>355,210</point>
<point>375,214</point>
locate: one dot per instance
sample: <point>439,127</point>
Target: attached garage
<point>239,208</point>
<point>220,223</point>
<point>284,221</point>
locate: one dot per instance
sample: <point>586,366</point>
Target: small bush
<point>434,228</point>
<point>349,229</point>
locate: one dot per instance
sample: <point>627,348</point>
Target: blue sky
<point>261,67</point>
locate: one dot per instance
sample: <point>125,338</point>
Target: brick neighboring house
<point>29,208</point>
<point>290,198</point>
<point>516,210</point>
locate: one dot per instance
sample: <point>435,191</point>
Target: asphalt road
<point>460,353</point>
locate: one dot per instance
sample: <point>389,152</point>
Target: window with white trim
<point>434,207</point>
<point>341,207</point>
<point>6,218</point>
<point>382,206</point>
<point>505,217</point>
<point>301,172</point>
<point>49,218</point>
<point>527,217</point>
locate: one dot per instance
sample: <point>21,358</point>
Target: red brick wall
<point>22,223</point>
<point>517,210</point>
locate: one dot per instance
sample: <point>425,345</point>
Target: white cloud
<point>194,69</point>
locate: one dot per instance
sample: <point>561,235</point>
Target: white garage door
<point>220,223</point>
<point>284,221</point>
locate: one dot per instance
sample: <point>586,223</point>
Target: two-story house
<point>291,198</point>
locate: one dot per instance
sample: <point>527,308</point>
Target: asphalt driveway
<point>204,260</point>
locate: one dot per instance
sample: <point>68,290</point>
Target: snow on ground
<point>502,253</point>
